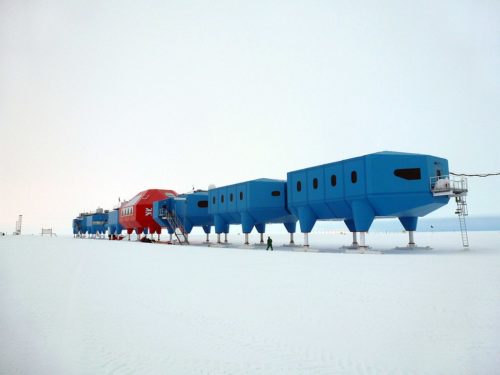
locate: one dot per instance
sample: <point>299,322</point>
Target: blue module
<point>384,184</point>
<point>83,224</point>
<point>159,211</point>
<point>251,203</point>
<point>95,223</point>
<point>77,227</point>
<point>88,224</point>
<point>113,224</point>
<point>190,209</point>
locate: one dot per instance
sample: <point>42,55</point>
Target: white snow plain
<point>81,306</point>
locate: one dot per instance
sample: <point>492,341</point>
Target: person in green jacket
<point>269,243</point>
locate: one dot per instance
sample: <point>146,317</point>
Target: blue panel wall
<point>99,222</point>
<point>192,211</point>
<point>77,226</point>
<point>251,203</point>
<point>159,209</point>
<point>88,224</point>
<point>83,224</point>
<point>358,190</point>
<point>113,225</point>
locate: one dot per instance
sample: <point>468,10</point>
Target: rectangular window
<point>408,173</point>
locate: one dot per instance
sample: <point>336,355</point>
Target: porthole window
<point>231,197</point>
<point>203,204</point>
<point>354,177</point>
<point>408,173</point>
<point>241,195</point>
<point>315,183</point>
<point>333,180</point>
<point>276,193</point>
<point>299,186</point>
<point>222,198</point>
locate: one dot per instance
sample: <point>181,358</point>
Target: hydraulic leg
<point>411,242</point>
<point>362,243</point>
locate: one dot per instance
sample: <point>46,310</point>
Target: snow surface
<point>80,306</point>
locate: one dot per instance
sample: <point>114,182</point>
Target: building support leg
<point>354,239</point>
<point>246,239</point>
<point>291,239</point>
<point>262,238</point>
<point>306,239</point>
<point>411,242</point>
<point>362,243</point>
<point>218,237</point>
<point>225,237</point>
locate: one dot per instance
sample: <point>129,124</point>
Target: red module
<point>137,213</point>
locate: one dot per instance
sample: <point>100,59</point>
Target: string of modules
<point>356,190</point>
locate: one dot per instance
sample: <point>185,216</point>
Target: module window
<point>354,177</point>
<point>333,180</point>
<point>408,173</point>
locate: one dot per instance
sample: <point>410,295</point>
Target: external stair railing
<point>176,225</point>
<point>445,186</point>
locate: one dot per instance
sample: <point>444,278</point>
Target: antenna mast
<point>19,224</point>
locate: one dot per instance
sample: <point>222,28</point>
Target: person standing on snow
<point>269,243</point>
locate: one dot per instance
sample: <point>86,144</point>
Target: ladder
<point>176,224</point>
<point>445,186</point>
<point>462,212</point>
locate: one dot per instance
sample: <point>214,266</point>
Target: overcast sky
<point>103,99</point>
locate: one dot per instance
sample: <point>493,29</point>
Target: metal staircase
<point>176,224</point>
<point>443,185</point>
<point>462,212</point>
